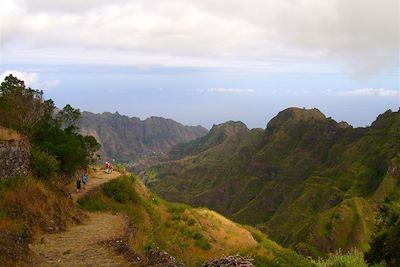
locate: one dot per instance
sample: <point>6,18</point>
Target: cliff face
<point>129,139</point>
<point>14,154</point>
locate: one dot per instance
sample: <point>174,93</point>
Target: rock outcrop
<point>158,258</point>
<point>14,153</point>
<point>230,261</point>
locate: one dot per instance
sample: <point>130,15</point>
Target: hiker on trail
<point>107,167</point>
<point>84,180</point>
<point>78,185</point>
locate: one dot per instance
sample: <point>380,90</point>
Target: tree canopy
<point>53,133</point>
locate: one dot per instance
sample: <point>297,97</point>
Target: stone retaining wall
<point>14,157</point>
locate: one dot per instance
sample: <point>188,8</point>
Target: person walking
<point>84,180</point>
<point>107,167</point>
<point>78,185</point>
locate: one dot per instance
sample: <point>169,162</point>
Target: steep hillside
<point>28,208</point>
<point>222,133</point>
<point>191,235</point>
<point>306,180</point>
<point>131,139</point>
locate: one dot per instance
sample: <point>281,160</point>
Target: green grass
<point>120,190</point>
<point>351,259</point>
<point>294,179</point>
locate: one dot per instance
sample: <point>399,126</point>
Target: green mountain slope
<point>306,180</point>
<point>217,135</point>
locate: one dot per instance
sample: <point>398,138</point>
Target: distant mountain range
<point>308,181</point>
<point>129,139</point>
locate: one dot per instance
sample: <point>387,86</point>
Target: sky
<point>206,62</point>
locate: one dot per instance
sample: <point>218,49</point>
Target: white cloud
<point>362,35</point>
<point>31,79</point>
<point>380,92</point>
<point>227,90</point>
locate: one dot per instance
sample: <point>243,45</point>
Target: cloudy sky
<point>207,61</point>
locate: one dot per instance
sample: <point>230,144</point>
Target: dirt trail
<point>83,245</point>
<point>96,179</point>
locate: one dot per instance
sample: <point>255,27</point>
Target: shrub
<point>199,238</point>
<point>263,261</point>
<point>120,190</point>
<point>203,243</point>
<point>43,165</point>
<point>386,247</point>
<point>120,167</point>
<point>178,208</point>
<point>191,221</point>
<point>351,259</point>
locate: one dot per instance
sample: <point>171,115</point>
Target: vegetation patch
<point>29,207</point>
<point>351,259</point>
<point>120,190</point>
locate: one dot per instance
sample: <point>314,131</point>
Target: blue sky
<point>213,64</point>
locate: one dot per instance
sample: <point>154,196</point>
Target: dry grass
<point>230,235</point>
<point>28,208</point>
<point>8,134</point>
<point>38,207</point>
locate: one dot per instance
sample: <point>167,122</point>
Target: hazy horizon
<point>207,62</point>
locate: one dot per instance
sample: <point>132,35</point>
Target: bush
<point>43,165</point>
<point>120,167</point>
<point>203,243</point>
<point>120,190</point>
<point>386,247</point>
<point>351,259</point>
<point>178,208</point>
<point>200,240</point>
<point>67,146</point>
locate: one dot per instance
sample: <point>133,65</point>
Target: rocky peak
<point>228,128</point>
<point>297,115</point>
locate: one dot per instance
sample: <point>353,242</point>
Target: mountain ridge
<point>292,178</point>
<point>130,139</point>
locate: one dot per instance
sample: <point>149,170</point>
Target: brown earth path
<point>95,179</point>
<point>84,245</point>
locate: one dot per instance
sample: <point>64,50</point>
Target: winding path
<point>85,244</point>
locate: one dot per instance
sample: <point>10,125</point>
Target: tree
<point>21,107</point>
<point>91,145</point>
<point>385,245</point>
<point>68,117</point>
<point>54,137</point>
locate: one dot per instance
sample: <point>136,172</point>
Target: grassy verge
<point>29,207</point>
